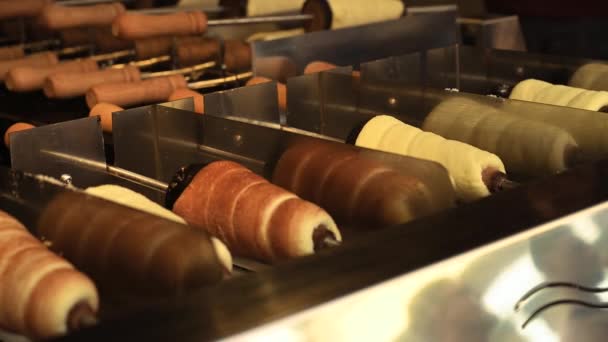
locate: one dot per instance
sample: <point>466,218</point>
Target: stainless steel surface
<point>308,94</point>
<point>103,167</point>
<point>257,102</point>
<point>472,297</point>
<point>79,138</point>
<point>283,58</point>
<point>436,68</point>
<point>480,71</point>
<point>144,140</point>
<point>502,32</point>
<point>75,148</point>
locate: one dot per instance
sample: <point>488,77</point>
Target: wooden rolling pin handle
<point>11,52</point>
<point>281,90</point>
<point>199,52</point>
<point>154,47</point>
<point>22,8</point>
<point>184,93</point>
<point>106,42</point>
<point>23,79</point>
<point>237,55</point>
<point>57,17</point>
<point>74,36</point>
<point>66,85</point>
<point>104,111</point>
<point>129,94</point>
<point>139,26</point>
<point>319,66</point>
<point>497,181</point>
<point>36,60</point>
<point>81,316</point>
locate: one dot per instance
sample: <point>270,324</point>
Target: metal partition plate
<point>256,102</point>
<point>336,104</point>
<point>437,68</point>
<point>304,103</point>
<point>155,141</point>
<point>482,71</point>
<point>283,58</point>
<point>324,103</point>
<point>56,149</point>
<point>183,104</point>
<point>517,65</point>
<point>479,71</point>
<point>498,32</point>
<point>73,148</point>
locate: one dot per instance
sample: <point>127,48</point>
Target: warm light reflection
<point>585,229</point>
<point>507,289</point>
<point>510,285</point>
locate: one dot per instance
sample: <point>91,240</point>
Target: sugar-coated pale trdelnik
<point>360,12</point>
<point>559,95</point>
<point>592,76</point>
<point>527,147</point>
<point>252,216</point>
<point>132,199</point>
<point>41,294</point>
<point>265,7</point>
<point>469,167</point>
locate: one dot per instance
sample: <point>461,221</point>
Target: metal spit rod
<point>260,20</point>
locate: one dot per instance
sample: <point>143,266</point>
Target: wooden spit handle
<point>104,111</point>
<point>74,36</point>
<point>312,67</point>
<point>22,79</point>
<point>183,93</point>
<point>154,47</point>
<point>22,8</point>
<point>57,17</point>
<point>237,54</point>
<point>34,60</point>
<point>139,26</point>
<point>11,52</point>
<point>102,38</point>
<point>66,85</point>
<point>106,42</point>
<point>196,53</point>
<point>319,66</point>
<point>152,90</point>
